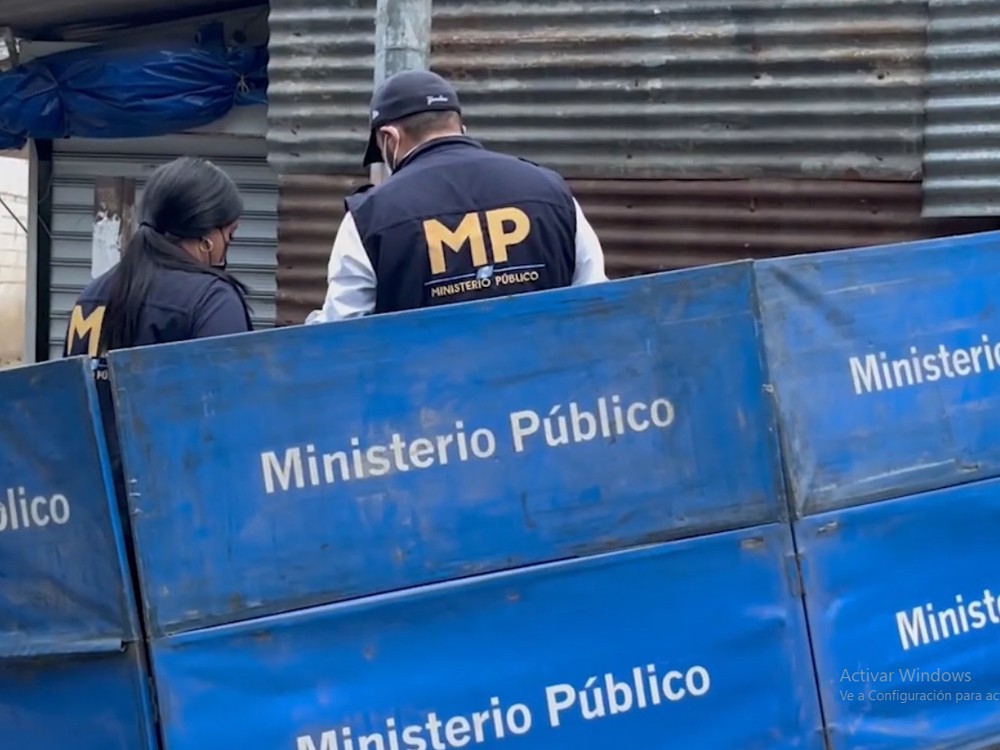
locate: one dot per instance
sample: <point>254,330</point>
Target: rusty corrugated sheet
<point>649,225</point>
<point>309,212</point>
<point>93,20</point>
<point>962,159</point>
<point>611,88</point>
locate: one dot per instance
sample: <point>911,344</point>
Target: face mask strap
<point>226,242</point>
<point>391,164</point>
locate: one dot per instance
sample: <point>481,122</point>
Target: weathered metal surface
<point>904,617</point>
<point>63,570</point>
<point>657,225</point>
<point>86,702</point>
<point>90,20</point>
<point>605,88</point>
<point>647,225</point>
<point>72,672</point>
<point>962,143</point>
<point>114,221</point>
<point>310,209</point>
<point>701,641</point>
<point>402,36</point>
<point>885,364</point>
<point>507,455</point>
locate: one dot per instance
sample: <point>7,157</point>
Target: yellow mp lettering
<point>501,239</point>
<point>89,328</point>
<point>507,227</point>
<point>439,236</point>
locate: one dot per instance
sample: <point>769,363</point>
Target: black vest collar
<point>451,141</point>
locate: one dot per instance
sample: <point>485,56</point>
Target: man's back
<point>454,222</point>
<point>458,222</point>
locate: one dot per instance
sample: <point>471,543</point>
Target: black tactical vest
<point>169,313</point>
<point>457,223</point>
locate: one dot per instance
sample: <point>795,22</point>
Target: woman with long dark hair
<point>171,283</point>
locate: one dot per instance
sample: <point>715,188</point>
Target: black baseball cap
<point>406,93</point>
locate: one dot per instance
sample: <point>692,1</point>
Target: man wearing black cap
<point>453,222</point>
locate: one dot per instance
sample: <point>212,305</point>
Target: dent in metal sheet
<point>565,652</point>
<point>884,363</point>
<point>510,453</point>
<point>901,597</point>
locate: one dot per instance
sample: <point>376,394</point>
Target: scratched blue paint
<point>214,546</point>
<point>723,603</point>
<point>881,689</point>
<point>62,562</point>
<point>89,702</point>
<point>844,445</point>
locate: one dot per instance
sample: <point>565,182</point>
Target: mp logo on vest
<point>463,259</point>
<point>85,328</point>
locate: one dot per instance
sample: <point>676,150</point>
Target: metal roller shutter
<point>77,162</point>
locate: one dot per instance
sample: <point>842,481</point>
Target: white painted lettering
<point>881,371</point>
<point>926,624</point>
<point>19,512</point>
<point>560,425</point>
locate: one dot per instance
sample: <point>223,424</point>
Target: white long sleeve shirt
<point>351,279</point>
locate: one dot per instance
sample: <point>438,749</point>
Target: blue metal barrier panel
<point>83,702</point>
<point>902,597</point>
<point>692,644</point>
<point>61,550</point>
<point>296,467</point>
<point>886,368</point>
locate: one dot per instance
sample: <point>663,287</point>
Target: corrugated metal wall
<point>669,88</point>
<point>77,162</point>
<point>649,225</point>
<point>799,123</point>
<point>962,159</point>
<point>310,208</point>
<point>73,20</point>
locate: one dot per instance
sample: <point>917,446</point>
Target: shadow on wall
<point>13,256</point>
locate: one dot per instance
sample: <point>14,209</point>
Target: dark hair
<point>422,125</point>
<point>184,199</point>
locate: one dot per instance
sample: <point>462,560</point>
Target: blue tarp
<point>104,92</point>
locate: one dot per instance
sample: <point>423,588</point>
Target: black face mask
<point>225,258</point>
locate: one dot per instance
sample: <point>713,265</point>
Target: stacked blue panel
<point>72,670</point>
<point>388,522</point>
<point>694,644</point>
<point>886,365</point>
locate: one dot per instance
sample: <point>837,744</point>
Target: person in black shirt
<point>171,283</point>
<point>454,221</point>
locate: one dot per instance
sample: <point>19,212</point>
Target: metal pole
<point>402,42</point>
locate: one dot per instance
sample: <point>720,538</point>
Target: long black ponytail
<point>184,199</point>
